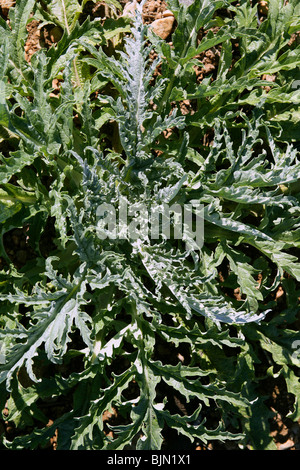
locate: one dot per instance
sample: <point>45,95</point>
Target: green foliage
<point>86,324</point>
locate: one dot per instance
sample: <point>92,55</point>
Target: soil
<point>285,433</point>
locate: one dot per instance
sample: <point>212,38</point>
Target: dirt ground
<point>286,434</point>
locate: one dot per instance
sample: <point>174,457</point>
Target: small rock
<point>151,7</point>
<point>167,13</point>
<point>263,7</point>
<point>209,67</point>
<point>6,5</point>
<point>163,27</point>
<point>56,34</point>
<point>286,445</point>
<point>269,78</point>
